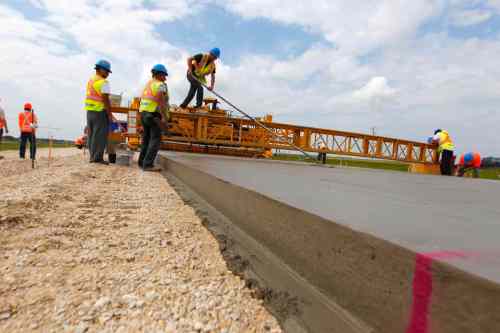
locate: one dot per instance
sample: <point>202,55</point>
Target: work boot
<point>153,169</point>
<point>112,158</point>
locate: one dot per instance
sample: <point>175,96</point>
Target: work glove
<point>34,126</point>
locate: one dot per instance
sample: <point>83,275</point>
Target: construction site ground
<point>87,248</point>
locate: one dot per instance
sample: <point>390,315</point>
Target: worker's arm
<point>6,126</point>
<point>21,121</point>
<point>189,64</point>
<point>107,106</point>
<point>212,82</point>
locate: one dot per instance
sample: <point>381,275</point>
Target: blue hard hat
<point>215,52</point>
<point>103,64</point>
<point>160,69</point>
<point>468,158</point>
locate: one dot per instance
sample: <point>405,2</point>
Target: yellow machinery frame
<point>212,130</point>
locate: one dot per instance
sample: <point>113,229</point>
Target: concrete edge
<point>318,308</point>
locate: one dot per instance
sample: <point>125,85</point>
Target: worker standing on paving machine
<point>28,123</point>
<point>98,110</point>
<point>154,110</point>
<point>445,149</point>
<point>199,66</point>
<point>469,162</point>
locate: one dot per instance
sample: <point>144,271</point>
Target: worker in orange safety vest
<point>3,124</point>
<point>28,123</point>
<point>469,162</point>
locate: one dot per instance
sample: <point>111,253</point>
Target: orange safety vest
<point>476,161</point>
<point>2,123</point>
<point>25,121</point>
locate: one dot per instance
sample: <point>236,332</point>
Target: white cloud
<point>466,18</point>
<point>356,26</point>
<point>414,83</point>
<point>376,88</point>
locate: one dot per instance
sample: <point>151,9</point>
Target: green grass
<point>493,173</point>
<point>14,145</point>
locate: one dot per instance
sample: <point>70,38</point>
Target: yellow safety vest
<point>445,142</point>
<point>206,68</point>
<point>94,100</point>
<point>150,98</point>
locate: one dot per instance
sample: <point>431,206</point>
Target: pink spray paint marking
<point>422,287</point>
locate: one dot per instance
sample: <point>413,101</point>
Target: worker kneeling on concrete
<point>445,149</point>
<point>469,162</point>
<point>154,110</point>
<point>199,66</point>
<point>27,126</point>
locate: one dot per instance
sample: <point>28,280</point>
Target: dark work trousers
<point>27,136</point>
<point>195,88</point>
<point>447,162</point>
<point>463,170</point>
<point>97,124</point>
<point>151,137</point>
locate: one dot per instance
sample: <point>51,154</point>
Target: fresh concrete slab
<point>419,212</point>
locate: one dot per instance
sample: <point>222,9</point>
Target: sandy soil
<point>93,248</point>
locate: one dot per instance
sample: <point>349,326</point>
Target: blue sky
<point>404,67</point>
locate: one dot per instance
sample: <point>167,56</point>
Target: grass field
<point>493,173</point>
<point>14,145</point>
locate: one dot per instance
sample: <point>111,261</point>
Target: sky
<point>401,67</point>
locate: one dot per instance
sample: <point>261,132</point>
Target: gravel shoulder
<point>92,248</point>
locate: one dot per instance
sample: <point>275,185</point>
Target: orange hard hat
<point>27,106</point>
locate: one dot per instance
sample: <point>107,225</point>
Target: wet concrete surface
<point>457,220</point>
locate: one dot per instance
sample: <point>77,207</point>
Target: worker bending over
<point>98,111</point>
<point>199,66</point>
<point>469,162</point>
<point>154,110</point>
<point>445,150</point>
<point>28,123</point>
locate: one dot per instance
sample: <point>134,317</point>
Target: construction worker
<point>28,123</point>
<point>98,110</point>
<point>445,150</point>
<point>3,124</point>
<point>154,110</point>
<point>199,66</point>
<point>469,162</point>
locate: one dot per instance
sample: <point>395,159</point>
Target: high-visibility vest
<point>205,68</point>
<point>25,121</point>
<point>445,142</point>
<point>2,123</point>
<point>94,100</point>
<point>150,98</point>
<point>476,161</point>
